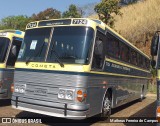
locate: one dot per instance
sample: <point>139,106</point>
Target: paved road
<point>134,109</point>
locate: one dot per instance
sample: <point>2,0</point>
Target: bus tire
<point>142,94</point>
<point>106,107</point>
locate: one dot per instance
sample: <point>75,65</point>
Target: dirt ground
<point>134,110</point>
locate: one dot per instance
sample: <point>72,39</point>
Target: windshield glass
<point>68,45</point>
<point>4,43</point>
<point>35,45</point>
<point>71,44</point>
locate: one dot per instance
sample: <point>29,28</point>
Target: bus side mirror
<point>153,63</point>
<point>14,51</point>
<point>154,45</point>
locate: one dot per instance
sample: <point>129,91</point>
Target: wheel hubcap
<point>106,105</point>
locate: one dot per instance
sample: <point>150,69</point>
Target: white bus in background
<point>10,43</point>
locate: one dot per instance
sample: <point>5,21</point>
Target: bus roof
<point>13,33</point>
<point>94,23</point>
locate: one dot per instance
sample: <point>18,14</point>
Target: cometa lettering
<point>42,66</point>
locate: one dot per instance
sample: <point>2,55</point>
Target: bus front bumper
<point>69,111</point>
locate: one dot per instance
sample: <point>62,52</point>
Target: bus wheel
<point>106,108</point>
<point>142,94</point>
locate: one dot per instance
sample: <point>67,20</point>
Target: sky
<point>28,7</point>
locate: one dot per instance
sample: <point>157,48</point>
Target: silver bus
<point>77,68</point>
<point>10,42</point>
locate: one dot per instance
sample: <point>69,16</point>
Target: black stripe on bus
<point>4,69</point>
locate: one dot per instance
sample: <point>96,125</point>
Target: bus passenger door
<point>96,90</point>
<point>12,57</point>
<point>98,54</point>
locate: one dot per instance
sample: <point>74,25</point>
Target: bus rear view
<point>10,42</point>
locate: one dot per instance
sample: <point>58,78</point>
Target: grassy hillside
<point>139,22</point>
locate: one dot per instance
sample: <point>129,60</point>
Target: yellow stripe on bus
<point>121,75</point>
<point>68,67</point>
<point>2,65</point>
<point>53,66</point>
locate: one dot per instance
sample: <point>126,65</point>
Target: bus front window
<point>35,45</point>
<point>4,43</point>
<point>71,44</point>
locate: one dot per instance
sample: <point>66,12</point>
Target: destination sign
<point>32,25</point>
<point>55,22</point>
<point>3,34</point>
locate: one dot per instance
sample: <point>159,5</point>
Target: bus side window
<point>133,57</point>
<point>116,49</point>
<point>98,54</point>
<point>124,52</point>
<point>112,46</point>
<point>148,64</point>
<point>143,64</point>
<point>14,51</point>
<point>99,51</point>
<point>140,59</point>
<point>127,54</point>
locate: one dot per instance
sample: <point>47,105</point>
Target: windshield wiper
<point>38,52</point>
<point>57,57</point>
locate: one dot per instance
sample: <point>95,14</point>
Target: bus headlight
<point>67,94</point>
<point>61,94</point>
<point>20,88</point>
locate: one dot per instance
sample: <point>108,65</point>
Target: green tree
<point>14,22</point>
<point>106,9</point>
<point>72,12</point>
<point>49,13</point>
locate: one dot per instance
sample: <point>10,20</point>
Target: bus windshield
<point>69,44</point>
<point>34,45</point>
<point>4,43</point>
